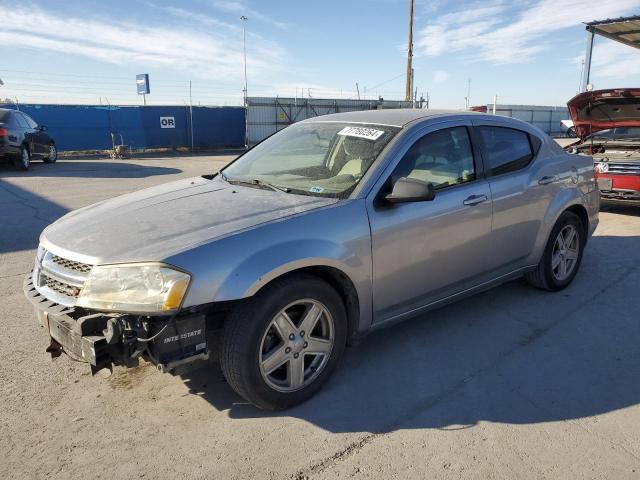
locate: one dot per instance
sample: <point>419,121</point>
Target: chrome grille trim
<point>624,168</point>
<point>71,264</point>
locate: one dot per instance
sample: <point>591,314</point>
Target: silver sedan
<point>331,228</point>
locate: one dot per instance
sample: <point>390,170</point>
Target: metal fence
<point>267,115</point>
<point>89,127</point>
<point>546,118</point>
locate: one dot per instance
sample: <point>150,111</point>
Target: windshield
<point>619,133</point>
<point>322,159</point>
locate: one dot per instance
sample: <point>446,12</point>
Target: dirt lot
<point>513,383</point>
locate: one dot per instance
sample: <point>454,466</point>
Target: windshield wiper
<point>258,183</point>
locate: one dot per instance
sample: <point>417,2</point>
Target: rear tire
<point>253,336</point>
<point>53,155</point>
<point>562,255</point>
<point>24,162</point>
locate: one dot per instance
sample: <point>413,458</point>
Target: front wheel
<point>53,155</point>
<point>562,255</point>
<point>284,343</point>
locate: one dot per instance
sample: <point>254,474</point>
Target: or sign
<point>361,132</point>
<point>167,122</point>
<point>142,84</point>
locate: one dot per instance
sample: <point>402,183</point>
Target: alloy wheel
<point>564,256</point>
<point>25,159</point>
<point>296,345</point>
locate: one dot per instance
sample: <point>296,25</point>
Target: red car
<point>608,125</point>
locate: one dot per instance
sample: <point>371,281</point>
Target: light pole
<point>246,105</point>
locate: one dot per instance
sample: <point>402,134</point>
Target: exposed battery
<point>183,337</point>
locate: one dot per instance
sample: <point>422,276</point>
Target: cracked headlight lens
<point>134,288</point>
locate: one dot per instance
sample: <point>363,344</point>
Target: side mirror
<point>411,190</point>
<point>43,128</point>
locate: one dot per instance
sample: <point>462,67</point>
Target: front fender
<point>238,266</point>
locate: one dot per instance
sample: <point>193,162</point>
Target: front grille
<point>628,168</point>
<point>60,287</point>
<point>59,279</point>
<point>71,264</point>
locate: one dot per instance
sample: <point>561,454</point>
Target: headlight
<point>134,288</point>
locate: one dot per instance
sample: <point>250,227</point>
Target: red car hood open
<point>602,109</point>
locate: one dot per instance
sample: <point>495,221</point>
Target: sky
<point>523,51</point>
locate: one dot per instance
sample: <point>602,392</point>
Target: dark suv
<point>21,139</point>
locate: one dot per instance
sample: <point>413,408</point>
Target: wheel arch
<point>338,280</point>
<point>582,214</point>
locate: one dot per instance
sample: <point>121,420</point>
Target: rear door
<point>425,251</point>
<point>28,133</point>
<point>40,139</point>
<point>519,189</point>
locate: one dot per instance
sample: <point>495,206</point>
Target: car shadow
<point>25,215</point>
<point>88,169</point>
<point>621,208</point>
<point>513,354</point>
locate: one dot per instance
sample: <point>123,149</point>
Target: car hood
<point>158,222</point>
<point>603,109</point>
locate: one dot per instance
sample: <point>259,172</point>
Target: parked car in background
<point>23,140</point>
<point>566,127</point>
<point>608,124</point>
<point>330,228</point>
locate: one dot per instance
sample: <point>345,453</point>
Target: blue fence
<point>89,127</point>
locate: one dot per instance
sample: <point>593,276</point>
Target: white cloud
<point>210,54</point>
<point>440,76</point>
<point>500,33</point>
<point>241,8</point>
<point>611,60</point>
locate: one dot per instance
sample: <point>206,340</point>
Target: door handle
<point>475,200</point>
<point>547,179</point>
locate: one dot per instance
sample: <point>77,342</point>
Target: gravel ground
<point>512,383</point>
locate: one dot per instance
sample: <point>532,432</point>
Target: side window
<point>29,121</point>
<point>20,120</point>
<point>505,149</point>
<point>443,158</point>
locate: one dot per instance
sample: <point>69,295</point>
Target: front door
<point>426,251</point>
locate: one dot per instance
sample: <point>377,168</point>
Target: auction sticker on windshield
<point>361,132</point>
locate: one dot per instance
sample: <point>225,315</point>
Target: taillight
<point>4,132</point>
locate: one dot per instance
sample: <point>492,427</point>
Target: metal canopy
<point>625,30</point>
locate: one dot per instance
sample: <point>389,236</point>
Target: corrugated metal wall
<point>88,127</point>
<point>267,115</point>
<point>546,118</point>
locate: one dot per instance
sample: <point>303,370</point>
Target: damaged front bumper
<point>106,339</point>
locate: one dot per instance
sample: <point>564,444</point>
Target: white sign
<point>167,122</point>
<point>361,132</point>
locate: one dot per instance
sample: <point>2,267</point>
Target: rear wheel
<point>562,255</point>
<point>284,343</point>
<point>24,162</point>
<point>52,156</point>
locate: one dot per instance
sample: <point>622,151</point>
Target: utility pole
<point>409,85</point>
<point>246,104</point>
<point>357,89</point>
<point>468,97</point>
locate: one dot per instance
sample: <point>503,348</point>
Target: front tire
<point>280,346</point>
<point>53,155</point>
<point>562,255</point>
<point>24,162</point>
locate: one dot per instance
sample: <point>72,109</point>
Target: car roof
<point>397,117</point>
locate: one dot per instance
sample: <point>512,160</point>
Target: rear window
<point>505,149</point>
<point>4,116</point>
